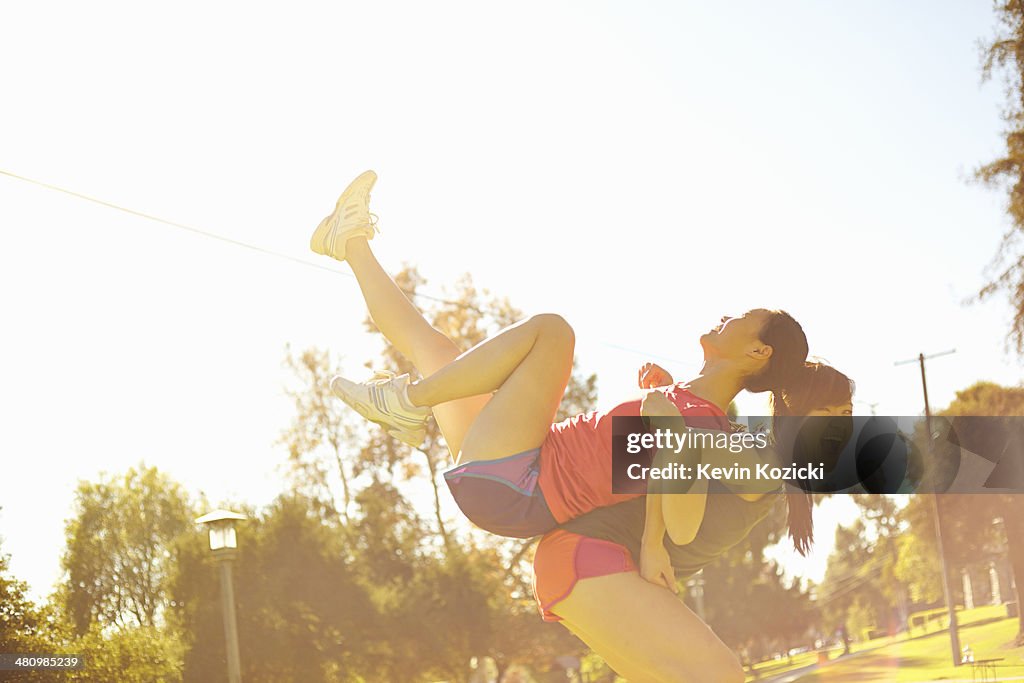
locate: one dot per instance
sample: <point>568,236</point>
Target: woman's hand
<point>652,375</point>
<point>656,404</point>
<point>656,567</point>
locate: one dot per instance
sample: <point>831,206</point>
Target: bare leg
<point>527,365</point>
<point>632,671</point>
<point>646,633</point>
<point>415,338</point>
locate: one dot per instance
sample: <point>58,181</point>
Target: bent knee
<point>554,326</point>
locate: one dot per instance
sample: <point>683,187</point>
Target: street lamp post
<point>224,544</point>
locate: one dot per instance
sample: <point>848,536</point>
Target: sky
<point>640,168</point>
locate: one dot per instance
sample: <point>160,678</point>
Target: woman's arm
<point>684,512</point>
<point>678,514</point>
<point>655,563</point>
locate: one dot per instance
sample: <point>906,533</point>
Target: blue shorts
<point>503,496</point>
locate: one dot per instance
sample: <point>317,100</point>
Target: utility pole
<point>954,636</point>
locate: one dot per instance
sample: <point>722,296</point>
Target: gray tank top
<point>727,521</point>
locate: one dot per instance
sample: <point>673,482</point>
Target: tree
<point>852,594</point>
<point>119,546</point>
<point>972,518</point>
<point>319,432</point>
<point>136,655</point>
<point>917,553</point>
<point>303,616</point>
<point>969,526</point>
<point>20,621</point>
<point>142,654</point>
<point>1005,53</point>
<point>24,628</point>
<point>883,517</point>
<point>748,603</point>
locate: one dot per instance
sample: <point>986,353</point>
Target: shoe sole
<point>318,242</point>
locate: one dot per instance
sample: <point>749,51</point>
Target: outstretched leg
<point>404,326</point>
<point>527,366</point>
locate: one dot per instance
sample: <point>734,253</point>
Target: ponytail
<point>799,503</point>
<point>800,519</point>
<point>784,371</point>
<point>819,385</point>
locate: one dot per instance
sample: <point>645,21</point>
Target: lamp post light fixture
<point>224,544</point>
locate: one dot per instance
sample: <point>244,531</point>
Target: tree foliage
<point>1004,54</point>
<point>133,655</point>
<point>24,628</point>
<point>973,518</point>
<point>974,526</point>
<point>118,549</point>
<point>302,613</point>
<point>852,595</point>
<point>749,603</point>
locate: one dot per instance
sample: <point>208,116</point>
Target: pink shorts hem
<point>564,558</point>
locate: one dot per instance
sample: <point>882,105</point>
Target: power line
<point>271,252</point>
<point>215,236</point>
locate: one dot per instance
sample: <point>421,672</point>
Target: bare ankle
<point>413,394</point>
<point>357,247</point>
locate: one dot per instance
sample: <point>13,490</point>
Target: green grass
<point>903,659</point>
<point>773,667</point>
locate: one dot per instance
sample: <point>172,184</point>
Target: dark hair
<point>820,385</point>
<point>781,374</point>
<point>789,353</point>
<point>817,385</point>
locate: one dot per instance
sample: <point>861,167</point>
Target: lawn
<point>919,657</point>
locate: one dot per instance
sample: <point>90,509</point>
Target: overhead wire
<point>266,251</point>
<point>222,238</point>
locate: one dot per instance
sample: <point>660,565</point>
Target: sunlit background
<point>640,168</point>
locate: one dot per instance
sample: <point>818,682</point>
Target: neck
<point>716,383</point>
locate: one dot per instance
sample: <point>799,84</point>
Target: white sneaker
<point>351,217</point>
<point>383,400</point>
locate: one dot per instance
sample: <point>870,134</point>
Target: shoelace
<point>373,217</point>
<point>381,376</point>
<point>408,436</point>
<point>373,220</point>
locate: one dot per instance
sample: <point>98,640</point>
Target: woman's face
<point>832,411</point>
<point>735,337</point>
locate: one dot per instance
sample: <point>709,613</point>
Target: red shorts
<point>563,558</point>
